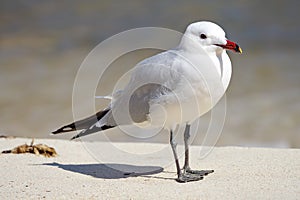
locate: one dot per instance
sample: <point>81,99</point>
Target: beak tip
<point>240,50</point>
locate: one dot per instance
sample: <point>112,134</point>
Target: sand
<point>240,173</point>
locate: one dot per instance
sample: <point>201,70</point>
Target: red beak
<point>231,46</point>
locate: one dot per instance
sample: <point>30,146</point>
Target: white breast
<point>199,89</point>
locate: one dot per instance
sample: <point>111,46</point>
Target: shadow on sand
<point>109,171</point>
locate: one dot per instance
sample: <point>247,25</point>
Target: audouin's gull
<point>171,88</point>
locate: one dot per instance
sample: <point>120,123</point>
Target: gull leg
<point>174,146</point>
<point>186,147</point>
<point>186,167</point>
<point>183,177</point>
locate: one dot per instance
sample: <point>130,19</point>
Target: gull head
<point>208,36</point>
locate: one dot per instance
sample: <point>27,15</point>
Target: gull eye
<point>203,36</point>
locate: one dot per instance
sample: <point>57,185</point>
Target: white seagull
<point>171,88</point>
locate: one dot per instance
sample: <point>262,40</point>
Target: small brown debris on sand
<point>7,137</point>
<point>38,149</point>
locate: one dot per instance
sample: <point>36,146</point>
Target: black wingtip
<point>60,130</point>
<point>82,133</point>
<point>68,128</point>
<point>55,132</point>
<point>74,137</point>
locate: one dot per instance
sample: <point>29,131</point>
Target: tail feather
<point>82,124</point>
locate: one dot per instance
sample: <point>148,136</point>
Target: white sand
<point>240,173</point>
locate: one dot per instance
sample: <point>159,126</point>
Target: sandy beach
<point>240,173</point>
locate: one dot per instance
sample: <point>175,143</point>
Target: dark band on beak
<point>238,49</point>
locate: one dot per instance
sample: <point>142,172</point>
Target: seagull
<point>171,89</point>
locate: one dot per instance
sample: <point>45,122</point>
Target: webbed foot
<point>199,172</point>
<point>188,177</point>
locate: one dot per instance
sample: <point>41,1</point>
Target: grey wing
<point>139,102</point>
<point>151,79</point>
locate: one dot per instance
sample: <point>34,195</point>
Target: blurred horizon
<point>42,45</point>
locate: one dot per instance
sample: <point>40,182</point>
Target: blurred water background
<point>43,43</point>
